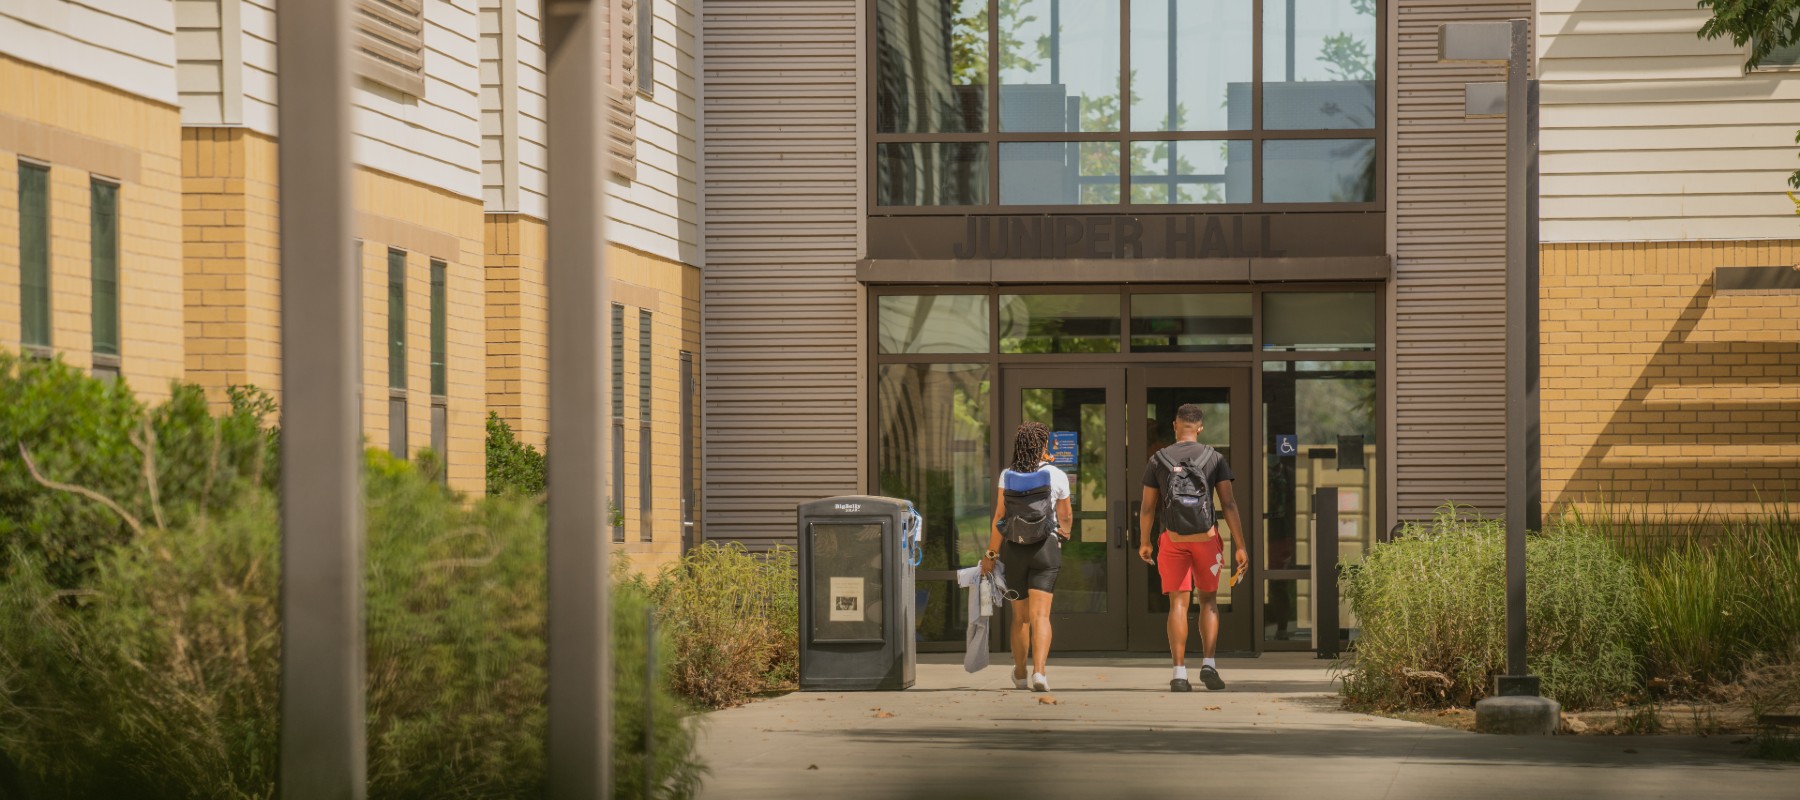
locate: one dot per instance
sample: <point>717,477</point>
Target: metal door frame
<point>1146,629</point>
<point>1080,631</point>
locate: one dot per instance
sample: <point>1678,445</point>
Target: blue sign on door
<point>1287,445</point>
<point>1064,448</point>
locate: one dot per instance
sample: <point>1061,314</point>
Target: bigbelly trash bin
<point>857,556</point>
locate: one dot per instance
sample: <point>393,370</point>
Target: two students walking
<point>1032,518</point>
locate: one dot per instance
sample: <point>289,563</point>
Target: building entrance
<point>1106,421</point>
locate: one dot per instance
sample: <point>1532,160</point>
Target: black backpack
<point>1187,499</point>
<point>1030,515</point>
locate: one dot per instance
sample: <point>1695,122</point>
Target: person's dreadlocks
<point>1028,446</point>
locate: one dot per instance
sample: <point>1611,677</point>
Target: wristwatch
<point>992,554</point>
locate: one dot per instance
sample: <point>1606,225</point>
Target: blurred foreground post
<point>580,752</point>
<point>322,677</point>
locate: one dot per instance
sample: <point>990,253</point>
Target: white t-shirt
<point>1059,480</point>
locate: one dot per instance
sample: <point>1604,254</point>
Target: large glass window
<point>1319,171</point>
<point>1196,171</point>
<point>1190,323</point>
<point>1059,323</point>
<point>440,379</point>
<point>931,447</point>
<point>103,219</point>
<point>34,255</point>
<point>1319,321</point>
<point>932,323</point>
<point>1059,173</point>
<point>1191,64</point>
<point>1079,126</point>
<point>396,327</point>
<point>933,66</point>
<point>931,174</point>
<point>1059,66</point>
<point>1319,64</point>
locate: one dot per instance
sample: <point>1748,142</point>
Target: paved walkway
<point>1276,731</point>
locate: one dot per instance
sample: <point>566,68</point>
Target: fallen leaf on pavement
<point>1047,701</point>
<point>1213,708</point>
<point>1631,750</point>
<point>884,714</point>
<point>812,766</point>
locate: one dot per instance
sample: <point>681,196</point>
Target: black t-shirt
<point>1156,476</point>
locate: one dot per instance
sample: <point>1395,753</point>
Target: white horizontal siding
<point>126,44</point>
<point>435,139</point>
<point>1649,132</point>
<point>658,211</point>
<point>199,73</point>
<point>258,43</point>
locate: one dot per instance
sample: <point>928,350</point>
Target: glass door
<point>1084,407</point>
<point>1224,396</point>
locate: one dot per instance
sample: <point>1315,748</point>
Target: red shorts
<point>1181,562</point>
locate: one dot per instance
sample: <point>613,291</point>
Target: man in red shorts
<point>1178,488</point>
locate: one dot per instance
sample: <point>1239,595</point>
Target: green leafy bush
<point>512,465</point>
<point>154,672</point>
<point>115,464</point>
<point>734,617</point>
<point>1432,606</point>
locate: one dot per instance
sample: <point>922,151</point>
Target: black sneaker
<point>1180,685</point>
<point>1210,677</point>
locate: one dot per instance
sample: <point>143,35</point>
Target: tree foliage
<point>1764,25</point>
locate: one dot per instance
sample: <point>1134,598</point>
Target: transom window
<point>1155,103</point>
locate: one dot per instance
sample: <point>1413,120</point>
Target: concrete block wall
<point>232,253</point>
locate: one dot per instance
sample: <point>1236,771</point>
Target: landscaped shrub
<point>115,464</point>
<point>155,673</point>
<point>512,465</point>
<point>735,620</point>
<point>1432,608</point>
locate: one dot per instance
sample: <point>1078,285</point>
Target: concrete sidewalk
<point>1276,731</point>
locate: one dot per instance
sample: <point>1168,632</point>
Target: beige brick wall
<point>231,247</point>
<point>517,324</point>
<point>427,223</point>
<point>516,381</point>
<point>85,130</point>
<point>1661,394</point>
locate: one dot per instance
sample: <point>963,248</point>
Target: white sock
<point>1207,662</point>
<point>1181,673</point>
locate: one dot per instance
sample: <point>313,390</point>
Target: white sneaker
<point>1021,683</point>
<point>1039,683</point>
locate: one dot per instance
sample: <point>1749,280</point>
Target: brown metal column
<point>322,650</point>
<point>579,747</point>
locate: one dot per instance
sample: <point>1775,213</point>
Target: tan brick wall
<point>517,324</point>
<point>232,251</point>
<point>85,130</point>
<point>428,223</point>
<point>1659,393</point>
<point>516,382</point>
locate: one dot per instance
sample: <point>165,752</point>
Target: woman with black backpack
<point>1032,518</point>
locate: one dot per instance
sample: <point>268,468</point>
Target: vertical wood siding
<point>1449,270</point>
<point>1651,133</point>
<point>125,44</point>
<point>780,361</point>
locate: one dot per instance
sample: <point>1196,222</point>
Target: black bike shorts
<point>1032,566</point>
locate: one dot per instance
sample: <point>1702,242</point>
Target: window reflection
<point>1059,65</point>
<point>931,447</point>
<point>1191,172</point>
<point>1319,171</point>
<point>1191,64</point>
<point>932,323</point>
<point>1319,321</point>
<point>1059,323</point>
<point>932,74</point>
<point>931,174</point>
<point>1319,64</point>
<point>1190,323</point>
<point>1059,173</point>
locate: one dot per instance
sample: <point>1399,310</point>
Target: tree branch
<point>136,526</point>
